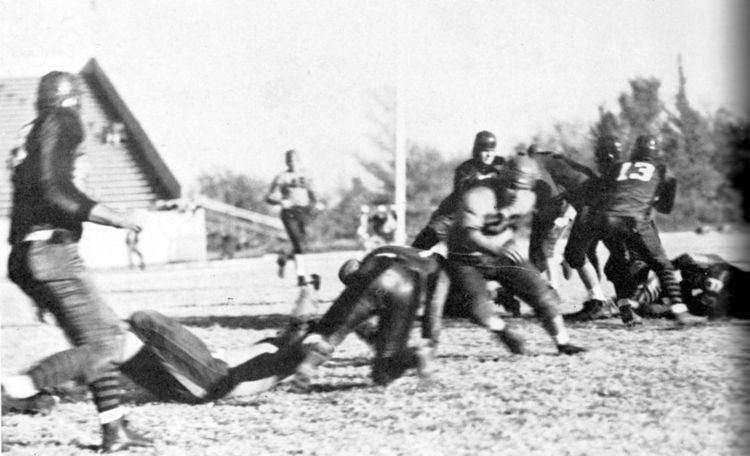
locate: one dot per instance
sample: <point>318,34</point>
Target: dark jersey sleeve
<point>59,136</point>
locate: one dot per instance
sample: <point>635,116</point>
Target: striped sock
<point>106,392</point>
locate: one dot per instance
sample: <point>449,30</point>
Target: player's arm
<point>58,190</point>
<point>274,192</point>
<point>433,312</point>
<point>57,141</point>
<point>665,192</point>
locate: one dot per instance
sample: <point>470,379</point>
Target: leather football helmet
<point>58,89</point>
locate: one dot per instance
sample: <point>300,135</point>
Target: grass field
<point>646,391</point>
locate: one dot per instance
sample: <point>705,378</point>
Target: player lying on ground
<point>172,363</point>
<point>710,287</point>
<point>481,247</point>
<point>391,283</point>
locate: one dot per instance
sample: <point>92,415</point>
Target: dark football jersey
<point>631,189</point>
<point>471,171</point>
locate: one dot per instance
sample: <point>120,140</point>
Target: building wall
<point>167,237</point>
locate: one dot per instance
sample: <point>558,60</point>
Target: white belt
<point>41,235</point>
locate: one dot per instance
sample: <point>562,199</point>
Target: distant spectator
<point>131,241</point>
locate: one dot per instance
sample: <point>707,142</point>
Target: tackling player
<point>481,247</point>
<point>623,219</point>
<point>392,283</point>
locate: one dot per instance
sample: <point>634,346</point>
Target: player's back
<point>631,188</point>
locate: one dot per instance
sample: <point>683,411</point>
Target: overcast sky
<point>220,84</point>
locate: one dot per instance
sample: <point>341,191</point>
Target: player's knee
<point>545,302</point>
<point>575,259</point>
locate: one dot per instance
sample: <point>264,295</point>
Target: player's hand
<point>320,206</point>
<point>286,204</point>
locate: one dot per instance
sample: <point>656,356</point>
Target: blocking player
<point>46,225</point>
<point>391,283</point>
<point>580,252</point>
<point>481,247</point>
<point>484,163</point>
<point>624,220</point>
<point>552,213</point>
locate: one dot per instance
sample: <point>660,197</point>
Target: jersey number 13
<point>641,171</point>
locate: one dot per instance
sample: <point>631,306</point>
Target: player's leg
<point>469,287</point>
<point>584,234</point>
<point>645,241</point>
<point>55,276</point>
<point>186,358</point>
<point>523,280</point>
<point>353,307</point>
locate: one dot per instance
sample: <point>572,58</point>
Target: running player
<point>46,225</point>
<point>481,247</point>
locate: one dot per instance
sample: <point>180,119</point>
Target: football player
<point>559,176</point>
<point>580,251</point>
<point>484,163</point>
<point>165,358</point>
<point>623,219</point>
<point>481,247</point>
<point>46,226</point>
<point>710,287</point>
<point>293,191</point>
<point>391,283</point>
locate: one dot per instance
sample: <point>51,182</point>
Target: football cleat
<point>569,349</point>
<point>116,437</point>
<point>627,314</point>
<point>593,309</point>
<point>39,404</point>
<point>684,319</point>
<point>512,340</point>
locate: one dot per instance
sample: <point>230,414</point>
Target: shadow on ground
<point>258,322</point>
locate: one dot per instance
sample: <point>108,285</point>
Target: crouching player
<point>391,283</point>
<point>481,247</point>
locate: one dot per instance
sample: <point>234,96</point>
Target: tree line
<point>707,152</point>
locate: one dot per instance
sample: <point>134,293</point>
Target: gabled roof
<point>17,96</point>
<point>150,154</point>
